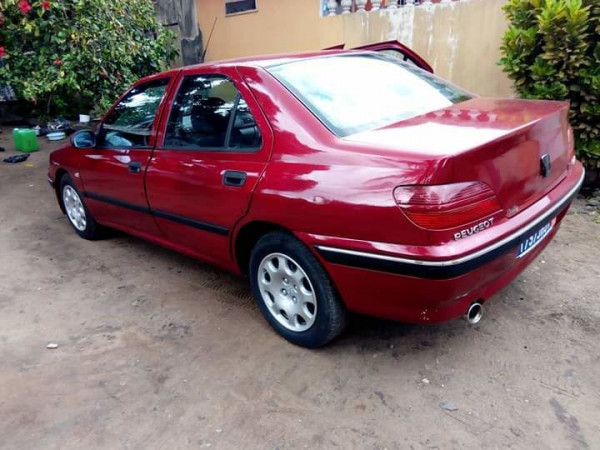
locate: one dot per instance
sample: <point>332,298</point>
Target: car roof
<point>253,61</point>
<point>268,60</point>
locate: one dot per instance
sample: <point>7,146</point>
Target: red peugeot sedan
<point>336,181</point>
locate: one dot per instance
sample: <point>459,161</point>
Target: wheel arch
<point>60,173</point>
<point>247,236</point>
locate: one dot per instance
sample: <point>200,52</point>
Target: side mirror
<point>83,139</point>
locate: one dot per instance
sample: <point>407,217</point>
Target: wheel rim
<point>74,208</point>
<point>287,292</point>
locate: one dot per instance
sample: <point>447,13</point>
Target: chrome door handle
<point>234,178</point>
<point>135,167</point>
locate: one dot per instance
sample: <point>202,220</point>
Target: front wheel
<point>294,292</point>
<point>79,216</point>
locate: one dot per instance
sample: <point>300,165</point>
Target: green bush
<point>73,56</point>
<point>552,51</point>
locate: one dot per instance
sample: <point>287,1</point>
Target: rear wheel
<point>294,292</point>
<point>79,216</point>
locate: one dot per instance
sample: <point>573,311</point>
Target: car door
<point>113,171</point>
<point>215,145</point>
<point>396,49</point>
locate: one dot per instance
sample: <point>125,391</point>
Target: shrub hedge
<point>72,56</point>
<point>552,51</point>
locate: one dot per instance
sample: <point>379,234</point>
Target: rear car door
<point>215,145</point>
<point>396,49</point>
<point>113,171</point>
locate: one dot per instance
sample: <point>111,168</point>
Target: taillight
<point>446,206</point>
<point>570,145</point>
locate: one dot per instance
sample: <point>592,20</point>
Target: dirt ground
<point>157,350</point>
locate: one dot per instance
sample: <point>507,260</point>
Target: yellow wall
<point>460,40</point>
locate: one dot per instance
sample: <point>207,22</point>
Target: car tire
<point>77,213</point>
<point>294,292</point>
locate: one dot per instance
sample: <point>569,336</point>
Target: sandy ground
<point>156,350</point>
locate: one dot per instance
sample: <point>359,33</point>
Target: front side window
<point>209,113</point>
<point>130,123</point>
<point>360,92</point>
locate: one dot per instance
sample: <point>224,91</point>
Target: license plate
<point>533,239</point>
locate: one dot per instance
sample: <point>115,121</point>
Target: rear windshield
<point>359,92</point>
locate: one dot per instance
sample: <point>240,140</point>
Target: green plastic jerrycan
<point>25,140</point>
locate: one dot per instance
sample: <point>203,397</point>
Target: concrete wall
<point>460,40</point>
<point>180,16</point>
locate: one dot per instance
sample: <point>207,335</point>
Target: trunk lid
<point>499,142</point>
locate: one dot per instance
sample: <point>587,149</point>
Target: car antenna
<point>209,38</point>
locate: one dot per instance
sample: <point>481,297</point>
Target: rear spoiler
<point>390,46</point>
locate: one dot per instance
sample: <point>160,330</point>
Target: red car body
<point>336,195</point>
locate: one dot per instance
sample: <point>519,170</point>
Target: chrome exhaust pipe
<point>474,313</point>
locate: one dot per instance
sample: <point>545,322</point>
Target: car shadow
<point>364,333</point>
<point>371,334</point>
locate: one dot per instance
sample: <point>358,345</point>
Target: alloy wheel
<point>287,291</point>
<point>74,208</point>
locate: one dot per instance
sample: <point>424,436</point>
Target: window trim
<point>222,149</point>
<point>155,124</point>
<point>232,118</point>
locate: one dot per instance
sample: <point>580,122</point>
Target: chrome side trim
<point>452,262</point>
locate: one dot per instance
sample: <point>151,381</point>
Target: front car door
<point>215,146</point>
<point>113,171</point>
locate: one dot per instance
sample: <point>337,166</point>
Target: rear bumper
<point>414,289</point>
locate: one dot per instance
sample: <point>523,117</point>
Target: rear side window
<point>244,131</point>
<point>130,122</point>
<point>209,113</point>
<point>360,92</point>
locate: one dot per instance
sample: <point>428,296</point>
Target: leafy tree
<point>72,56</point>
<point>552,51</point>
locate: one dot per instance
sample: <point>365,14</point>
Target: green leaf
<point>82,34</point>
<point>551,50</point>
